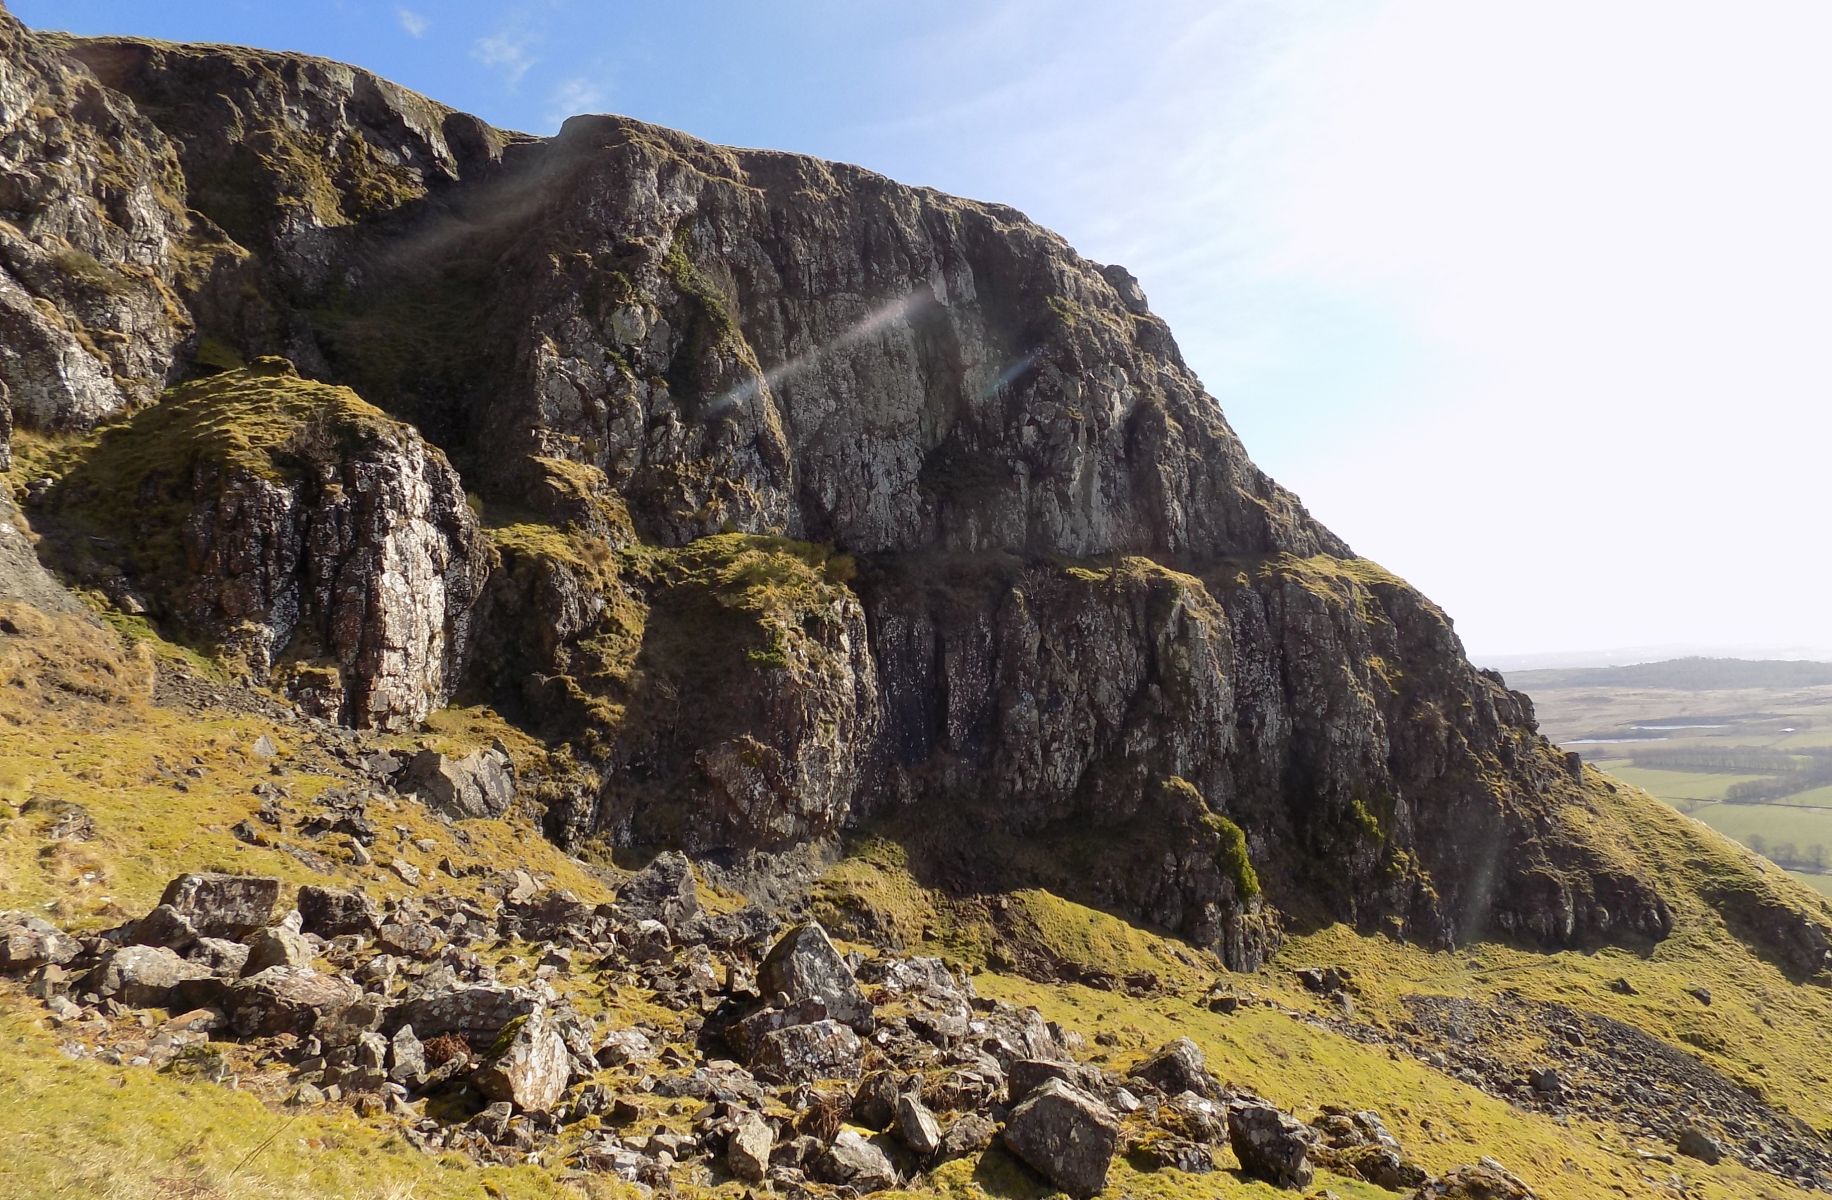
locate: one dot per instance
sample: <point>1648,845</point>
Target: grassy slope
<point>77,727</point>
<point>1765,1031</point>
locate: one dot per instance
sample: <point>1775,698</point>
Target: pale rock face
<point>532,1070</point>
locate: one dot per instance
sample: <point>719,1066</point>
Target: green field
<point>1790,718</point>
<point>1674,786</point>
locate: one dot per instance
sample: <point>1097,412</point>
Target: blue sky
<point>1529,302</point>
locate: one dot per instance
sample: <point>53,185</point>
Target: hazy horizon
<point>1526,304</point>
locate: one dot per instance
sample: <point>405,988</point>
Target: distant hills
<point>1681,674</point>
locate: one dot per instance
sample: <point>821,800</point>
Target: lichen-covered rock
<point>803,1053</point>
<point>333,912</point>
<point>1485,1180</point>
<point>1179,1067</point>
<point>295,524</point>
<point>663,891</point>
<point>27,941</point>
<point>804,966</point>
<point>277,947</point>
<point>92,220</point>
<point>480,784</point>
<point>143,976</point>
<point>1271,1145</point>
<point>528,1066</point>
<point>288,1000</point>
<point>855,1162</point>
<point>747,1154</point>
<point>1079,622</point>
<point>1065,1135</point>
<point>476,1012</point>
<point>225,906</point>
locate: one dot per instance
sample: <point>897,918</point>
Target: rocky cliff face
<point>812,501</point>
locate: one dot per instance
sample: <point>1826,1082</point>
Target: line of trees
<point>1786,854</point>
<point>1762,791</point>
<point>1715,760</point>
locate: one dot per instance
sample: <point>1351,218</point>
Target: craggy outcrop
<point>813,501</point>
<point>297,526</point>
<point>92,217</point>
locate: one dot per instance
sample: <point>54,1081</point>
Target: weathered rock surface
<point>225,906</point>
<point>1270,1144</point>
<point>289,521</point>
<point>92,217</point>
<point>1486,1180</point>
<point>481,784</point>
<point>1066,1135</point>
<point>529,1067</point>
<point>827,501</point>
<point>27,941</point>
<point>804,966</point>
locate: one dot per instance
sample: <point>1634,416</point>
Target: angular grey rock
<point>619,1047</point>
<point>917,1126</point>
<point>803,1053</point>
<point>476,1012</point>
<point>1179,1067</point>
<point>1065,1135</point>
<point>969,1134</point>
<point>1485,1180</point>
<point>164,926</point>
<point>225,906</point>
<point>277,947</point>
<point>874,1102</point>
<point>288,1000</point>
<point>27,941</point>
<point>664,891</point>
<point>334,912</point>
<point>143,976</point>
<point>406,1058</point>
<point>747,1153</point>
<point>804,966</point>
<point>528,1066</point>
<point>224,957</point>
<point>1271,1145</point>
<point>855,1162</point>
<point>481,784</point>
<point>1025,1075</point>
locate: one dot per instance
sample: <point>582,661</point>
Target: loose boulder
<point>27,941</point>
<point>287,1000</point>
<point>803,1053</point>
<point>1271,1145</point>
<point>225,906</point>
<point>804,966</point>
<point>334,912</point>
<point>747,1154</point>
<point>1179,1067</point>
<point>481,784</point>
<point>855,1162</point>
<point>528,1066</point>
<point>1486,1180</point>
<point>143,976</point>
<point>917,1126</point>
<point>1065,1135</point>
<point>663,891</point>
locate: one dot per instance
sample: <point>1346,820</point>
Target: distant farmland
<point>1744,746</point>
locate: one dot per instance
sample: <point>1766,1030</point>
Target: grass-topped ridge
<point>258,420</point>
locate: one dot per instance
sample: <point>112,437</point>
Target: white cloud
<point>509,55</point>
<point>574,96</point>
<point>415,24</point>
